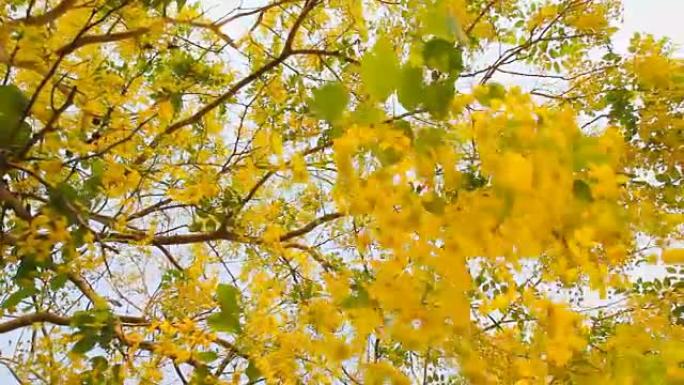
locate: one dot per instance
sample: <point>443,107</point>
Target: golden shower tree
<point>338,192</point>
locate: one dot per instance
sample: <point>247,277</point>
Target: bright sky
<point>659,17</point>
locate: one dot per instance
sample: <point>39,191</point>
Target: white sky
<point>659,17</point>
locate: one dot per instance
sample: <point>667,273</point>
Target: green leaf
<point>85,344</point>
<point>228,298</point>
<point>387,156</point>
<point>380,70</point>
<point>21,136</point>
<point>12,98</point>
<point>437,20</point>
<point>428,139</point>
<point>443,56</point>
<point>494,91</point>
<point>82,319</point>
<point>435,204</point>
<point>13,132</point>
<point>58,281</point>
<point>177,102</point>
<point>358,298</point>
<point>99,363</point>
<point>404,127</point>
<point>13,300</point>
<point>329,101</point>
<point>228,319</point>
<point>202,376</point>
<point>411,87</point>
<point>368,114</point>
<point>223,322</point>
<point>252,372</point>
<point>207,357</point>
<point>438,98</point>
<point>62,198</point>
<point>13,103</point>
<point>581,190</point>
<point>27,271</point>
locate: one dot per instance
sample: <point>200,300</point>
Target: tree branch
<point>14,203</point>
<point>55,319</point>
<point>309,227</point>
<point>232,91</point>
<point>48,16</point>
<point>30,319</point>
<point>95,39</point>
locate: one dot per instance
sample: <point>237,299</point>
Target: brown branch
<point>14,203</point>
<point>315,255</point>
<point>319,52</point>
<point>232,91</point>
<point>480,16</point>
<point>48,16</point>
<point>308,7</point>
<point>95,39</point>
<point>178,239</point>
<point>30,319</point>
<point>55,319</point>
<point>169,257</point>
<point>218,235</point>
<point>252,12</point>
<point>311,226</point>
<point>215,28</point>
<point>50,124</point>
<point>256,187</point>
<point>149,209</point>
<point>197,116</point>
<point>7,240</point>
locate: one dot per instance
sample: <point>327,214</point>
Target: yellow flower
<point>515,172</point>
<point>165,110</point>
<point>119,179</point>
<point>605,182</point>
<point>299,172</point>
<point>673,255</point>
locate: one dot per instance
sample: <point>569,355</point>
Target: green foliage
<point>438,96</point>
<point>207,357</point>
<point>358,298</point>
<point>493,91</point>
<point>96,327</point>
<point>622,110</point>
<point>439,22</point>
<point>428,139</point>
<point>202,376</point>
<point>15,298</point>
<point>582,190</point>
<point>102,374</point>
<point>435,204</point>
<point>380,70</point>
<point>162,4</point>
<point>228,318</point>
<point>329,102</point>
<point>14,132</point>
<point>443,56</point>
<point>252,372</point>
<point>411,87</point>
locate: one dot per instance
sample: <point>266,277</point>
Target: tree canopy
<point>338,192</point>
